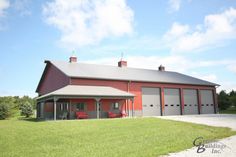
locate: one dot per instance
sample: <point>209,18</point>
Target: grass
<point>143,137</point>
<point>231,110</point>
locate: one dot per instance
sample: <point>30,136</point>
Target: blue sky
<point>193,37</point>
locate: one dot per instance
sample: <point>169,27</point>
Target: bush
<point>26,109</point>
<point>4,111</point>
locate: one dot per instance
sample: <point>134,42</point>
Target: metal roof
<point>93,71</point>
<point>88,91</point>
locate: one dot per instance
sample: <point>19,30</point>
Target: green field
<point>111,137</point>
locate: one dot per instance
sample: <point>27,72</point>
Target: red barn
<point>70,90</point>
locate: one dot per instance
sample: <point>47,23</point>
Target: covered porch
<point>90,101</point>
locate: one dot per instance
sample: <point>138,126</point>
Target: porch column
<point>132,107</point>
<point>128,108</point>
<point>97,106</point>
<point>55,108</point>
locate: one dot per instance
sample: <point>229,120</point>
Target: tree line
<point>11,106</point>
<point>226,100</point>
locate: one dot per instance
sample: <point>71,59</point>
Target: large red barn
<point>70,90</point>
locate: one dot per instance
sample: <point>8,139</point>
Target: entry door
<point>190,101</point>
<point>151,101</point>
<point>172,101</point>
<point>207,106</point>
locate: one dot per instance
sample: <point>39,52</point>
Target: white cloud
<point>177,30</point>
<point>172,63</point>
<point>149,62</point>
<point>217,29</point>
<point>4,4</point>
<point>86,22</point>
<point>174,5</point>
<point>22,7</point>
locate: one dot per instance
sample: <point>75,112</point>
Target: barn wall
<point>52,80</point>
<point>136,88</point>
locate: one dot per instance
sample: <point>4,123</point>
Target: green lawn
<point>115,137</point>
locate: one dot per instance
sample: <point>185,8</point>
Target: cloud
<point>174,5</point>
<point>232,67</point>
<point>4,4</point>
<point>172,63</point>
<point>86,22</point>
<point>22,7</point>
<point>216,29</point>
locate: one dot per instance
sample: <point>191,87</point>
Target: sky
<point>193,37</point>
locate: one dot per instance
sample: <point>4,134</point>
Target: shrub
<point>4,111</point>
<point>26,109</point>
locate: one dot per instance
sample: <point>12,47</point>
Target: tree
<point>26,109</point>
<point>232,98</point>
<point>223,100</point>
<point>4,111</point>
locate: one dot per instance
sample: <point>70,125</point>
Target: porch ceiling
<point>87,91</point>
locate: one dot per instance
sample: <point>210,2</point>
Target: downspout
<point>127,106</point>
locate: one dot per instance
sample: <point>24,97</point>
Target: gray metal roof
<point>88,91</point>
<point>93,71</point>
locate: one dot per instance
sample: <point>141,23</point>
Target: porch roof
<point>74,91</point>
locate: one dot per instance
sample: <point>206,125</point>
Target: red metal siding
<point>52,80</point>
<point>91,104</point>
<point>135,88</point>
<point>48,107</point>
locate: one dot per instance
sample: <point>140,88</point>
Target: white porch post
<point>132,107</point>
<point>128,107</point>
<point>55,108</point>
<point>97,106</point>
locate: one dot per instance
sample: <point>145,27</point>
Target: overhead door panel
<point>190,101</point>
<point>172,101</point>
<point>207,106</point>
<point>151,101</point>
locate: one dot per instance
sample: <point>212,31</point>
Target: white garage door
<point>207,106</point>
<point>172,101</point>
<point>151,101</point>
<point>190,101</point>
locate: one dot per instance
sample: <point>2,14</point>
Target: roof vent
<point>122,63</point>
<point>161,68</point>
<point>73,59</point>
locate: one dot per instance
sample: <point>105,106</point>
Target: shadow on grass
<point>30,119</point>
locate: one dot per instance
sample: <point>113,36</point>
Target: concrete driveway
<point>221,120</point>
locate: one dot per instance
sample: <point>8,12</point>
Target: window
<point>80,106</point>
<point>115,105</point>
<point>63,106</point>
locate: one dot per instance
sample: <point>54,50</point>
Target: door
<point>151,101</point>
<point>190,101</point>
<point>207,106</point>
<point>172,101</point>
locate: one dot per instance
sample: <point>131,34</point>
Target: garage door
<point>151,101</point>
<point>207,106</point>
<point>190,101</point>
<point>172,101</point>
